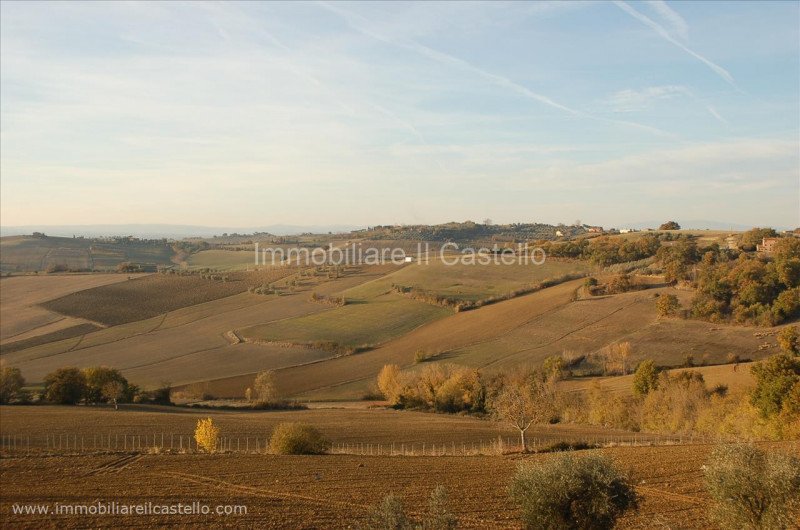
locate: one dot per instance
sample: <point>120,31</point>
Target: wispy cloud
<point>677,23</point>
<point>363,26</point>
<point>630,100</point>
<point>658,28</point>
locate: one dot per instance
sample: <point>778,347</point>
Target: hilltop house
<point>767,245</point>
<point>595,229</point>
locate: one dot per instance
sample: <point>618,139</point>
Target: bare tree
<point>113,392</point>
<point>525,402</point>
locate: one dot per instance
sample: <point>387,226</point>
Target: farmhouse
<point>767,245</point>
<point>595,229</point>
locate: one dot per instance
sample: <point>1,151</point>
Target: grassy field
<point>361,322</point>
<point>222,259</point>
<point>586,326</point>
<point>334,378</point>
<point>737,378</point>
<point>25,253</point>
<point>470,282</point>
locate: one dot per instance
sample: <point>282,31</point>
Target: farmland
<point>207,333</point>
<point>26,254</point>
<point>281,491</point>
<point>22,316</point>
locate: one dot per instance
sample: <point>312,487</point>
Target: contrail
<point>444,58</point>
<point>720,71</point>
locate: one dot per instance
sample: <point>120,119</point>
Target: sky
<point>250,114</point>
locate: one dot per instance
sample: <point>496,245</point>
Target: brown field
<point>77,330</point>
<point>376,425</point>
<point>332,491</point>
<point>152,295</point>
<point>190,344</point>
<point>21,316</point>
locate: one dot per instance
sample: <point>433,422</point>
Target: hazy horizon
<point>258,114</point>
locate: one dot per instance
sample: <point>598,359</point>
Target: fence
<point>67,443</point>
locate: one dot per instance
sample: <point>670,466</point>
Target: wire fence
<point>74,443</point>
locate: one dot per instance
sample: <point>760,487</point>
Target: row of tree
<point>70,385</point>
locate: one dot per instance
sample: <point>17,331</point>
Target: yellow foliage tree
<point>206,434</point>
<point>389,383</point>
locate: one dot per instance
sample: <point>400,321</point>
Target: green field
<point>369,321</point>
<point>27,254</point>
<point>470,282</point>
<point>222,259</point>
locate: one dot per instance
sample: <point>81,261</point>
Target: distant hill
<point>698,224</point>
<point>158,231</point>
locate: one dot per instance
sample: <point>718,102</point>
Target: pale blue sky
<point>374,113</point>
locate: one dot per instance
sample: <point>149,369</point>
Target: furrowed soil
<point>21,316</point>
<point>334,491</point>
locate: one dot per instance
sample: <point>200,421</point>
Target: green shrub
<point>753,489</point>
<point>390,514</point>
<point>65,386</point>
<point>570,492</point>
<point>298,439</point>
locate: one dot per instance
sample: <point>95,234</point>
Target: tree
<point>670,225</point>
<point>753,489</point>
<point>775,378</point>
<point>570,492</point>
<point>389,383</point>
<point>66,386</point>
<point>206,434</point>
<point>753,237</point>
<point>11,383</point>
<point>788,340</point>
<point>97,377</point>
<point>113,391</point>
<point>265,387</point>
<point>645,379</point>
<point>525,402</point>
<point>554,367</point>
<point>667,305</point>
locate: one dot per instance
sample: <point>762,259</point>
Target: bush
<point>206,434</point>
<point>753,489</point>
<point>572,493</point>
<point>65,386</point>
<point>390,514</point>
<point>298,439</point>
<point>667,305</point>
